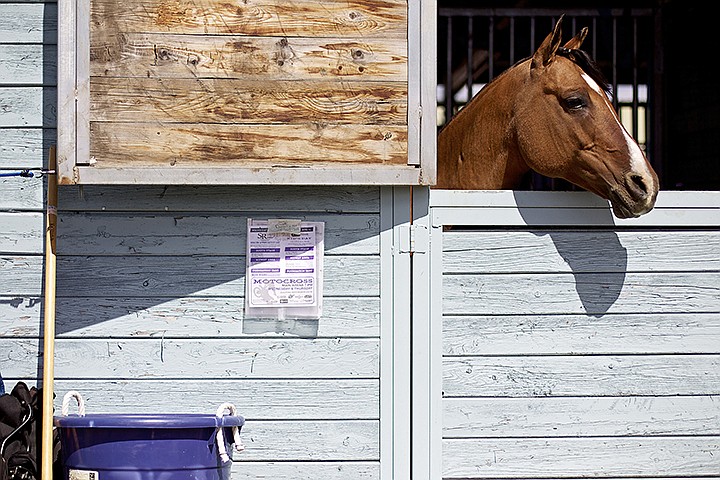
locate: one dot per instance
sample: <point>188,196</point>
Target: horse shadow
<point>596,257</point>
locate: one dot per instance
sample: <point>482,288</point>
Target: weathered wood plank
<point>580,251</point>
<point>22,233</point>
<point>24,148</point>
<point>198,234</point>
<point>581,457</point>
<point>292,201</point>
<point>227,146</point>
<point>249,58</point>
<point>190,359</point>
<point>255,399</point>
<point>30,22</point>
<point>28,106</point>
<point>172,276</point>
<point>330,18</point>
<point>340,440</point>
<point>28,64</point>
<point>236,101</point>
<point>575,334</point>
<point>574,375</point>
<point>22,194</point>
<point>243,470</point>
<point>193,317</point>
<point>582,293</point>
<point>580,416</point>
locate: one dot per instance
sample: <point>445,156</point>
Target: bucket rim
<point>148,420</point>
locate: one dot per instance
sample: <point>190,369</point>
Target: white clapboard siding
<point>188,317</point>
<point>578,352</point>
<point>581,334</point>
<point>267,201</point>
<point>198,233</point>
<point>23,148</point>
<point>20,193</point>
<point>31,22</point>
<point>577,251</point>
<point>256,399</point>
<point>28,64</point>
<point>187,359</point>
<point>172,276</point>
<point>28,107</point>
<point>580,416</point>
<point>21,233</point>
<point>587,293</point>
<point>581,457</point>
<point>305,470</point>
<point>332,440</point>
<point>581,375</point>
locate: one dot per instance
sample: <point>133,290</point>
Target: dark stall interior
<point>656,54</point>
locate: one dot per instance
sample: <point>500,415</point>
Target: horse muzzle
<point>635,196</point>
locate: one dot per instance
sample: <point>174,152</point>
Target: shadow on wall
<point>171,260</point>
<point>597,259</point>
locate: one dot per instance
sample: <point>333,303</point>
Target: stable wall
<point>150,297</point>
<point>567,343</point>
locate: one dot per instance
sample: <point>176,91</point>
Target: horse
<point>550,113</point>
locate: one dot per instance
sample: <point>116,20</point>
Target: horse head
<point>550,113</point>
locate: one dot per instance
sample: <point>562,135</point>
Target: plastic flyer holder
<point>284,273</point>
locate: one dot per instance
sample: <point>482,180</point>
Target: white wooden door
<point>555,341</point>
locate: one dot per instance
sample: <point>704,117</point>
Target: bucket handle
<point>220,437</point>
<point>66,403</point>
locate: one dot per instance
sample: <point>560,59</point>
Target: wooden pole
<point>49,320</point>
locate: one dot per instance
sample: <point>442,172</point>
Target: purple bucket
<point>145,447</point>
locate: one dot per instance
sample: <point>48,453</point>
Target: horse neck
<point>482,135</point>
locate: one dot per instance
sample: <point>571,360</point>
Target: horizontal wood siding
<point>257,83</point>
<point>150,316</point>
<point>580,352</point>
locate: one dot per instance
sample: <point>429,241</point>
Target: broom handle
<point>49,320</point>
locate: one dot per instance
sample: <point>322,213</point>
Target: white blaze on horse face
<point>637,159</point>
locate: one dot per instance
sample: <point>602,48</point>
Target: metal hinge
<point>413,239</point>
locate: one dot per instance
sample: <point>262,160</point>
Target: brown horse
<point>550,113</point>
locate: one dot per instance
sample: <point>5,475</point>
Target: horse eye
<point>574,103</point>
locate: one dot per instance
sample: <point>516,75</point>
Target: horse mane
<point>579,57</point>
<point>583,60</point>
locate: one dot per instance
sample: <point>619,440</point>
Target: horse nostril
<point>636,185</point>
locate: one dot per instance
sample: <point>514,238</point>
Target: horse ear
<point>575,42</point>
<point>546,51</point>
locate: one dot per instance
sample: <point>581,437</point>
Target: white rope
<point>220,437</point>
<point>66,403</point>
